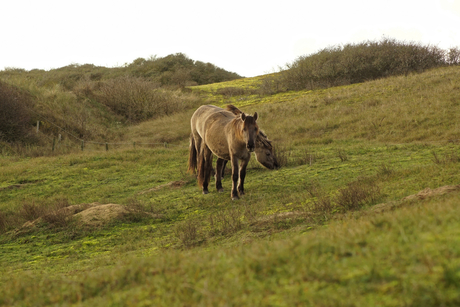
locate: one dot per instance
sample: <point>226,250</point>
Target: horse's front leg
<point>219,170</point>
<point>235,176</point>
<point>243,166</point>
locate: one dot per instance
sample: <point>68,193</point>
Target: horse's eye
<point>268,153</point>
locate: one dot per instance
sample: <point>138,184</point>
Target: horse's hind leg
<point>207,156</point>
<point>224,164</point>
<point>219,171</point>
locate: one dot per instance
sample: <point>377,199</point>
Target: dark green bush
<point>178,70</point>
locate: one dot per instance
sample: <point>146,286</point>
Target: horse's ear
<point>243,116</point>
<point>256,116</point>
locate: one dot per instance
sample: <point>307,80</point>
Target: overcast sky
<point>247,37</point>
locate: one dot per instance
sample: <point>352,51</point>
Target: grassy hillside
<point>332,227</point>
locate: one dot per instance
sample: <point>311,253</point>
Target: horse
<point>229,137</point>
<point>263,150</point>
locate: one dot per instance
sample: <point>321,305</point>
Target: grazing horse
<point>264,150</point>
<point>229,137</point>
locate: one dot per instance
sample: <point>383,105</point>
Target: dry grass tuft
<point>357,194</point>
<point>187,233</point>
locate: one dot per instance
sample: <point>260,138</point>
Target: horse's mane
<point>233,109</point>
<point>236,125</point>
<point>262,137</point>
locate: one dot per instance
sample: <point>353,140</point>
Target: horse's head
<point>250,130</point>
<point>265,154</point>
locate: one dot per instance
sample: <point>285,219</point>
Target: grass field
<point>332,227</point>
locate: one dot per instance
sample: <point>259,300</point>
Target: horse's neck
<point>237,144</point>
<point>235,128</point>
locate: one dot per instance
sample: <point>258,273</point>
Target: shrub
<point>281,154</point>
<point>52,212</point>
<point>357,194</point>
<point>226,222</point>
<point>270,85</point>
<point>453,56</point>
<point>354,63</point>
<point>178,70</point>
<point>3,222</point>
<point>322,203</point>
<point>137,99</point>
<point>31,211</point>
<point>15,118</point>
<point>55,214</point>
<point>187,233</point>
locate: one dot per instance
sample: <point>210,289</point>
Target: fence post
<point>82,145</point>
<point>38,125</point>
<point>106,146</point>
<point>54,142</point>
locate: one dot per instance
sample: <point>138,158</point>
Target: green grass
<point>281,244</point>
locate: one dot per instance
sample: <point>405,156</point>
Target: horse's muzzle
<point>250,146</point>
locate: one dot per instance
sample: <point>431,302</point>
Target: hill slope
<point>331,227</point>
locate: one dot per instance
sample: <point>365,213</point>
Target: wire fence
<point>82,144</point>
<point>85,145</point>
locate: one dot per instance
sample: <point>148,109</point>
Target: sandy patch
<point>101,214</point>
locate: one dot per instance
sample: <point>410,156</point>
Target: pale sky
<point>248,37</point>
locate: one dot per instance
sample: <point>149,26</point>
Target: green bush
<point>178,70</point>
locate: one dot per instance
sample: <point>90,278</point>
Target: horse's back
<point>209,115</point>
<point>209,123</point>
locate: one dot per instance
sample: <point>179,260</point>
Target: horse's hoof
<point>235,197</point>
<point>220,190</point>
<point>205,192</point>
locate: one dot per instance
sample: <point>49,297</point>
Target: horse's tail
<point>193,156</point>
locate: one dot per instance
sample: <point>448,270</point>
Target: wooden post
<point>82,145</point>
<point>38,125</point>
<point>54,142</point>
<point>106,146</point>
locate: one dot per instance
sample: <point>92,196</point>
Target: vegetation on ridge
<point>360,62</point>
